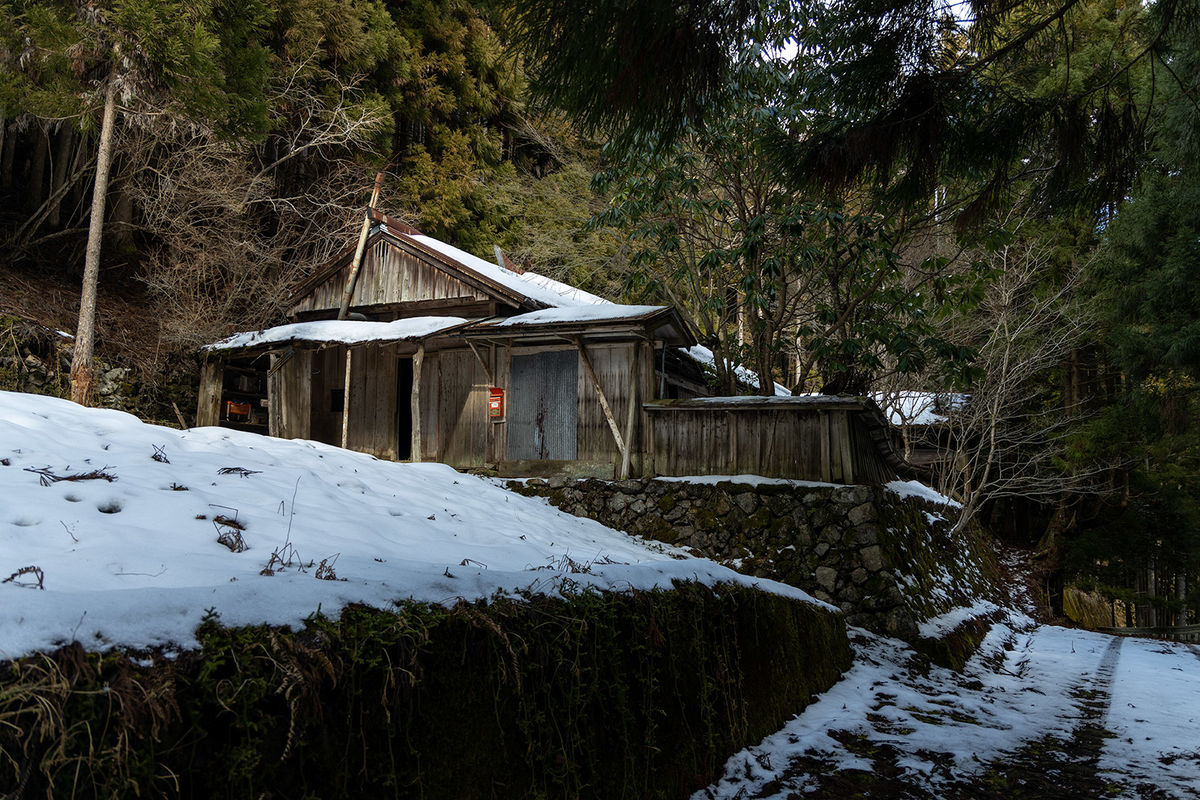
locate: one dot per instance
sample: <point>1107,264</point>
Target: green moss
<point>634,695</point>
<point>706,520</point>
<point>760,520</point>
<point>953,650</point>
<point>667,502</point>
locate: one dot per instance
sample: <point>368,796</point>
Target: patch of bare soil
<point>127,327</point>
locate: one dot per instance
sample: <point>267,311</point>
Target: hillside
<point>137,532</point>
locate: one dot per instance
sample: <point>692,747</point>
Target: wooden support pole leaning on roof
<point>635,385</point>
<point>415,402</point>
<point>362,245</point>
<point>608,414</point>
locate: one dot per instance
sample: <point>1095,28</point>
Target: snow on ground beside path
<point>1023,684</point>
<point>135,562</point>
<point>1155,714</point>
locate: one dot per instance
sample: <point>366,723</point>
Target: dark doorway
<point>404,386</point>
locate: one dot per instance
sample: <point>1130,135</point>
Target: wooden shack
<point>814,438</point>
<point>453,359</point>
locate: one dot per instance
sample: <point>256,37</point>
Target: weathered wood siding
<point>430,389</point>
<point>812,445</point>
<point>389,274</point>
<point>373,401</point>
<point>596,442</point>
<point>614,368</point>
<point>871,466</point>
<point>462,410</point>
<point>328,392</point>
<point>289,393</point>
<point>212,378</point>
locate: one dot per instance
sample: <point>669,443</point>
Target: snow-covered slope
<point>130,555</point>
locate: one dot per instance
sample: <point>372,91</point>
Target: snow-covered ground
<point>118,522</point>
<point>935,733</point>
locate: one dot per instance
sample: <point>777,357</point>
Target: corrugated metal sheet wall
<point>543,406</point>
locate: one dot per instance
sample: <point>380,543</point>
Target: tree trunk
<point>37,170</point>
<point>120,221</point>
<point>6,161</point>
<point>62,165</point>
<point>82,372</point>
<point>1181,596</point>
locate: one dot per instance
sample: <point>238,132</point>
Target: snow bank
<point>134,561</point>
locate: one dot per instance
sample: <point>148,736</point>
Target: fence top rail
<point>1163,630</point>
<point>801,403</point>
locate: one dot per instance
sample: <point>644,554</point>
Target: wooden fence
<point>828,439</point>
<point>1173,633</point>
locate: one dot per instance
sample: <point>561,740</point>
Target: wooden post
<point>346,401</point>
<point>418,361</point>
<point>358,253</point>
<point>823,432</point>
<point>634,395</point>
<point>608,413</point>
<point>212,378</point>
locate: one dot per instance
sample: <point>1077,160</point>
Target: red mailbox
<point>495,404</point>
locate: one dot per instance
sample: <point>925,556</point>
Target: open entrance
<point>404,386</point>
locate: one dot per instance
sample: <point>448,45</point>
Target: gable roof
<point>526,291</point>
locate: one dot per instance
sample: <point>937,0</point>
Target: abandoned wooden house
<point>458,360</point>
<point>451,358</point>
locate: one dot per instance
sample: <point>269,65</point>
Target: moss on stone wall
<point>888,562</point>
<point>634,695</point>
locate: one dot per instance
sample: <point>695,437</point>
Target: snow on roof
<point>564,290</point>
<point>600,312</point>
<point>540,292</point>
<point>345,331</point>
<point>707,358</point>
<point>134,561</point>
<point>917,408</point>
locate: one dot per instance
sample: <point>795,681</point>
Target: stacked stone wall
<point>888,562</point>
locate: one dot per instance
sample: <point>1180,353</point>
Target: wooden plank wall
<point>462,410</point>
<point>389,274</point>
<point>872,466</point>
<point>801,445</point>
<point>212,378</point>
<point>612,364</point>
<point>430,389</point>
<point>373,401</point>
<point>289,392</point>
<point>328,382</point>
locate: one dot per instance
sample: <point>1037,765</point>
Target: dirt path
<point>885,757</point>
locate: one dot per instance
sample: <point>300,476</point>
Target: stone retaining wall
<point>889,562</point>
